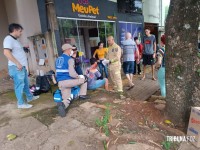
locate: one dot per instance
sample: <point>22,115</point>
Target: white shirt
<point>17,50</point>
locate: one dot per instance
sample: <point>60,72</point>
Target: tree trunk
<point>182,61</point>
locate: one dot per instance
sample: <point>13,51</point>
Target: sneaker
<point>61,109</point>
<point>83,97</point>
<point>34,98</point>
<point>24,106</point>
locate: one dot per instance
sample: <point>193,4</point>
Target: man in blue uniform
<point>67,78</point>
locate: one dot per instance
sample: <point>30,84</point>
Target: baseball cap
<point>67,46</point>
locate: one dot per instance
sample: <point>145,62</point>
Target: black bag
<point>43,84</point>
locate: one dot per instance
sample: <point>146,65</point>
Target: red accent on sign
<point>195,121</point>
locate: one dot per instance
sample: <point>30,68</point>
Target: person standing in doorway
<point>137,66</point>
<point>113,58</point>
<point>17,64</point>
<point>101,53</point>
<point>129,49</point>
<point>149,52</point>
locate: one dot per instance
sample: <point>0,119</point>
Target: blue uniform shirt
<point>62,68</point>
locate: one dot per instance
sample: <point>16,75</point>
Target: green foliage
<point>105,145</point>
<point>132,142</point>
<point>104,122</point>
<point>167,145</point>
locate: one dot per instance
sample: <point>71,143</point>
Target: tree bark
<point>182,61</point>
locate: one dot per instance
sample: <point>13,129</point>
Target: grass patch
<point>103,123</point>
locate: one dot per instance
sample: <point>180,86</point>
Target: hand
<point>137,60</point>
<point>157,66</point>
<point>98,61</point>
<point>105,62</point>
<point>19,66</point>
<point>154,55</point>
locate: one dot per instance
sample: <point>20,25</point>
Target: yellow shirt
<point>101,53</point>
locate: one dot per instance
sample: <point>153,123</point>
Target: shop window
<point>134,28</point>
<point>85,34</point>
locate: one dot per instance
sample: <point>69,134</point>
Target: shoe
<point>139,73</point>
<point>122,96</point>
<point>34,98</point>
<point>130,87</point>
<point>61,109</point>
<point>24,106</point>
<point>83,97</point>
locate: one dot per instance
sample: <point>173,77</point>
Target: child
<point>94,76</point>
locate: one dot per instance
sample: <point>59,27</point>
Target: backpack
<point>43,84</point>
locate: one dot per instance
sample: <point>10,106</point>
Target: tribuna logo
<point>181,138</point>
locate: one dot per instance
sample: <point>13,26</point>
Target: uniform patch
<point>113,50</point>
<point>116,49</point>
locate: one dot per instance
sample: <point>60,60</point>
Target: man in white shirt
<point>17,63</point>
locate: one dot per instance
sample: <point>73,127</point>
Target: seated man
<point>94,77</point>
<point>67,78</point>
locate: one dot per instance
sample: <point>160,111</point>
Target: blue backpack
<point>57,95</point>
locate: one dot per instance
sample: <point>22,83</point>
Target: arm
<point>94,53</point>
<point>72,71</point>
<point>10,57</point>
<point>159,61</point>
<point>138,55</point>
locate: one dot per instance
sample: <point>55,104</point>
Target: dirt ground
<point>131,123</point>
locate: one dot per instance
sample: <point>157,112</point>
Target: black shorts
<point>148,59</point>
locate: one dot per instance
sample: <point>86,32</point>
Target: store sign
<point>84,9</point>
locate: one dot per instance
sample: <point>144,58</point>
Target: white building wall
<point>3,33</point>
<point>25,12</point>
<point>151,11</point>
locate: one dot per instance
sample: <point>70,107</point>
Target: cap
<point>67,46</point>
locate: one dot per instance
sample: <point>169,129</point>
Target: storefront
<point>86,22</point>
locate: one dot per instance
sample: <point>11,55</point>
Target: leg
<point>106,84</point>
<point>118,80</point>
<point>100,68</point>
<point>29,95</point>
<point>18,77</point>
<point>106,71</point>
<point>134,67</point>
<point>112,72</point>
<point>139,69</point>
<point>161,80</point>
<point>144,71</point>
<point>153,72</point>
<point>66,93</point>
<point>131,71</point>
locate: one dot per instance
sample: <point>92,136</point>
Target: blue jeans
<point>161,80</point>
<point>103,69</point>
<point>21,83</point>
<point>97,84</point>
